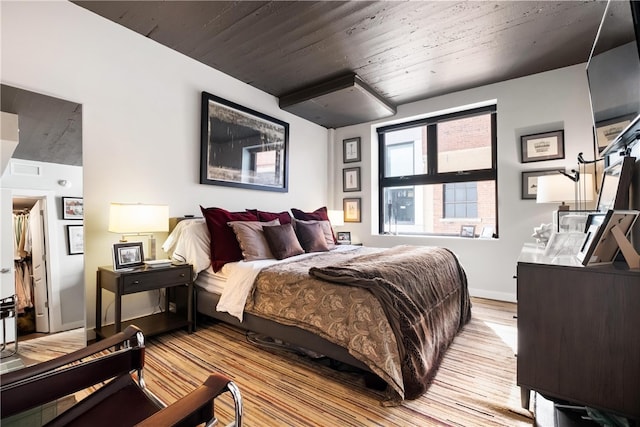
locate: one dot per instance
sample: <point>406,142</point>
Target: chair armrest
<point>50,365</point>
<point>197,406</point>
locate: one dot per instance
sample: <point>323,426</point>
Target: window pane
<point>464,144</point>
<point>423,209</point>
<point>405,152</point>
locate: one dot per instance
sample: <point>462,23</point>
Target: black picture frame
<point>127,255</point>
<point>351,150</point>
<point>529,181</point>
<point>351,179</point>
<point>542,146</point>
<point>72,208</point>
<point>75,239</point>
<point>344,237</point>
<point>352,207</point>
<point>615,184</point>
<point>241,147</point>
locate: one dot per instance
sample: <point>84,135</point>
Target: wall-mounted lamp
<point>565,187</point>
<point>555,188</point>
<point>64,183</point>
<point>138,220</point>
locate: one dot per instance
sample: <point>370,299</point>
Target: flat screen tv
<point>613,73</point>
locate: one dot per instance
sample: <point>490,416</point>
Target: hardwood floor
<point>475,386</point>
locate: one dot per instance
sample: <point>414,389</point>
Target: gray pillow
<point>282,241</point>
<point>326,229</point>
<point>251,239</point>
<point>311,237</point>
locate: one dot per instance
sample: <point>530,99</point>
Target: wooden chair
<point>115,367</point>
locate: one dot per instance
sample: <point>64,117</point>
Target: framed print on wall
<point>351,150</point>
<point>351,179</point>
<point>530,181</point>
<point>72,208</point>
<point>351,207</point>
<point>542,146</point>
<point>240,147</point>
<point>75,239</point>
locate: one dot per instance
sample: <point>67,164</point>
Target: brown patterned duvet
<point>375,299</point>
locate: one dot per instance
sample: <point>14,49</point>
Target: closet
<point>30,268</point>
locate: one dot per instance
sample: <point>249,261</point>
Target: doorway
<point>30,264</point>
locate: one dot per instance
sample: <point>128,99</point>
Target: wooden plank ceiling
<point>405,51</point>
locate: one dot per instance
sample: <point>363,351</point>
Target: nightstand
<point>172,277</point>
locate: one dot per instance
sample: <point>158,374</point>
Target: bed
<point>391,312</point>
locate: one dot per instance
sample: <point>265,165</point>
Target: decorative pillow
<point>282,241</point>
<point>283,217</point>
<point>311,237</point>
<point>251,239</point>
<point>224,245</point>
<point>325,227</point>
<point>319,214</point>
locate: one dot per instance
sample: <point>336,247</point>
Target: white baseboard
<point>498,296</point>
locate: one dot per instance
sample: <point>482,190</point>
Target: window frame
<point>432,176</point>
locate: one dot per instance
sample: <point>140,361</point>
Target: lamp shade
<point>586,192</point>
<point>336,218</point>
<point>555,188</point>
<point>138,218</point>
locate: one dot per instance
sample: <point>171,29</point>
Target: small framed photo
<point>467,231</point>
<point>608,130</point>
<point>542,146</point>
<point>351,179</point>
<point>530,181</point>
<point>75,239</point>
<point>127,255</point>
<point>351,150</point>
<point>351,207</point>
<point>344,237</point>
<point>72,208</point>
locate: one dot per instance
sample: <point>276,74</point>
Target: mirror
<point>45,167</point>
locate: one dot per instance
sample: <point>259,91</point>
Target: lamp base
<point>563,207</point>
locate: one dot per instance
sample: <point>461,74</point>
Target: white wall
<point>141,123</point>
<point>544,102</point>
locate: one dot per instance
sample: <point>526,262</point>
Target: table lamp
<point>556,188</point>
<point>336,218</point>
<point>137,219</point>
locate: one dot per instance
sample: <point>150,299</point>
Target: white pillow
<point>190,242</point>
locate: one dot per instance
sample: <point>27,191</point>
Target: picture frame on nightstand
<point>127,255</point>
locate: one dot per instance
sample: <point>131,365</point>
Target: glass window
<point>439,173</point>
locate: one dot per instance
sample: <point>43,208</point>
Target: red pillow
<point>319,214</point>
<point>263,216</point>
<point>284,217</point>
<point>224,245</point>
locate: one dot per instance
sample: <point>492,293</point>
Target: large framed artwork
<point>241,147</point>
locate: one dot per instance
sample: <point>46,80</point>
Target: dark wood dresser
<point>579,332</point>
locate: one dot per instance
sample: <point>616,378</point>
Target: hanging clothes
<point>22,235</point>
<point>22,264</point>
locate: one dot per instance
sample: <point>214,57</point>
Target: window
<point>439,173</point>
